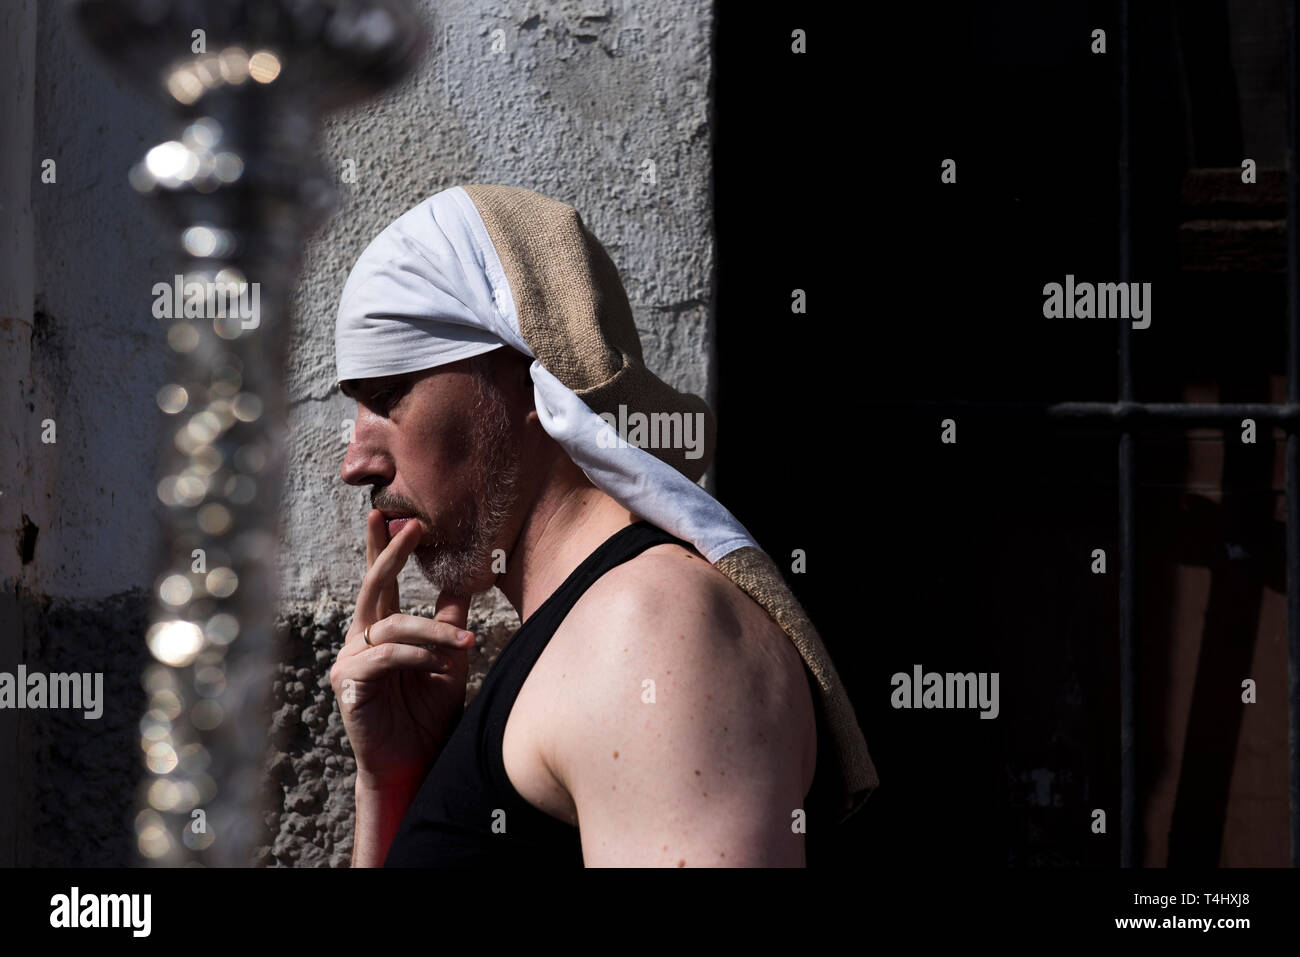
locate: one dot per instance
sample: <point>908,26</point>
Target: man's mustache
<point>396,503</point>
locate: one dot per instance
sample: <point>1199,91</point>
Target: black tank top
<point>451,821</point>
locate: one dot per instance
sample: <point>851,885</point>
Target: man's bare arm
<point>704,767</point>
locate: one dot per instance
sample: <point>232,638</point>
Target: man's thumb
<point>453,609</point>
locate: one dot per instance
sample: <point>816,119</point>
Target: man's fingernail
<point>466,637</point>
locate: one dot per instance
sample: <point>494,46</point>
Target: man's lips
<point>395,525</point>
<point>396,521</point>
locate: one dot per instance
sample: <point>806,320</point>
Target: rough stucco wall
<point>573,99</point>
<point>76,598</point>
<point>17,281</point>
<point>572,107</point>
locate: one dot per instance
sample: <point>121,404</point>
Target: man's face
<point>439,448</point>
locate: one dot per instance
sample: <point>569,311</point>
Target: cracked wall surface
<point>602,105</point>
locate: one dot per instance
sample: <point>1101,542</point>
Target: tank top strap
<point>622,546</point>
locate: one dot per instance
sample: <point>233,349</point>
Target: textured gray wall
<point>573,99</point>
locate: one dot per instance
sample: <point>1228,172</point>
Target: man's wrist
<point>380,805</point>
<point>388,784</point>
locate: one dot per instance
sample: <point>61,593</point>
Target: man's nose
<point>366,460</point>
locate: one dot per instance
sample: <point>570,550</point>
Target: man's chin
<point>453,574</point>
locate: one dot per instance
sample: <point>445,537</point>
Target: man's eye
<point>382,398</point>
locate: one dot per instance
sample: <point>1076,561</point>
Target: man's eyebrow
<point>367,384</point>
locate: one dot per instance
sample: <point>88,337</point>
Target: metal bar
<point>1132,416</point>
<point>1292,440</point>
<point>1128,672</point>
<point>1144,414</point>
<point>1293,628</point>
<point>1130,826</point>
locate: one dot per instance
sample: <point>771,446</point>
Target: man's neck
<point>565,525</point>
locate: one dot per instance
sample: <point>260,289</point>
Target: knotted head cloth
<point>477,267</point>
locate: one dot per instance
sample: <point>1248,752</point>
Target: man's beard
<point>462,564</point>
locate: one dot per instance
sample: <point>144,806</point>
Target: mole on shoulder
<point>682,862</point>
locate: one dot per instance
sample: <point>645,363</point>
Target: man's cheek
<point>451,443</point>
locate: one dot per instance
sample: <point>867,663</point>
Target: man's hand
<point>401,698</point>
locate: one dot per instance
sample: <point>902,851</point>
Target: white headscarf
<point>431,290</point>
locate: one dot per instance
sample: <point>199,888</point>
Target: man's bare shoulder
<point>680,693</point>
<point>668,596</point>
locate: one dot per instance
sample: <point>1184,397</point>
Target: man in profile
<point>665,701</point>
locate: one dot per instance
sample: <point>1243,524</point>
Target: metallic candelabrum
<point>239,188</point>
